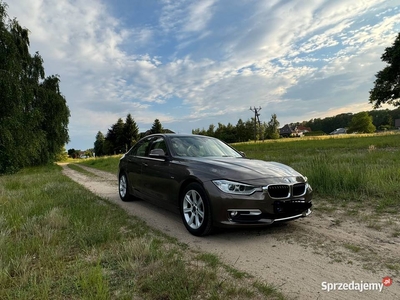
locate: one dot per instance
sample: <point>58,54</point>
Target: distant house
<point>397,123</point>
<point>293,130</point>
<point>302,129</point>
<point>339,131</point>
<point>286,131</point>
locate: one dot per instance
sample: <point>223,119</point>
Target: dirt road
<point>303,258</point>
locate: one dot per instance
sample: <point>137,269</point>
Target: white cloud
<point>199,15</point>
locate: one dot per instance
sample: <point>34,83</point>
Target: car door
<point>157,176</point>
<point>135,158</point>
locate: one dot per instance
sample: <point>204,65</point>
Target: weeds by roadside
<point>106,163</point>
<point>79,169</point>
<point>58,241</point>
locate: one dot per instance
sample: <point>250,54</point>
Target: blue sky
<point>195,63</point>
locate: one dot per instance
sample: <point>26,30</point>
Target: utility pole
<point>256,118</point>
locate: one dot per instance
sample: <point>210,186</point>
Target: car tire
<point>195,210</point>
<point>123,188</point>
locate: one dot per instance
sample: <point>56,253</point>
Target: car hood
<point>243,168</point>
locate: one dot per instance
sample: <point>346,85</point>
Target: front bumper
<point>257,209</point>
<point>256,217</point>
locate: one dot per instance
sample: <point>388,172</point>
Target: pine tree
<point>131,131</point>
<point>157,127</point>
<point>99,144</point>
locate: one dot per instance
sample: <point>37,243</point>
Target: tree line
<point>381,119</point>
<point>361,122</point>
<point>34,114</point>
<point>122,135</point>
<point>243,131</point>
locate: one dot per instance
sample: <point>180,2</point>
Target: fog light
<point>233,213</point>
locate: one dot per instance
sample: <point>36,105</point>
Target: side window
<point>159,143</point>
<point>142,148</point>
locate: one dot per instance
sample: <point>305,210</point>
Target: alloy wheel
<point>122,186</point>
<point>193,209</point>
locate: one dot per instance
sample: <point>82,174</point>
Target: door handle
<point>144,164</point>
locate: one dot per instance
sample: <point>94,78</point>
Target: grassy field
<point>59,241</point>
<point>357,169</point>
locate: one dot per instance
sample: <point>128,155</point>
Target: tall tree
<point>210,130</point>
<point>110,141</point>
<point>361,123</point>
<point>249,126</point>
<point>55,117</point>
<point>33,114</point>
<point>157,127</point>
<point>241,131</point>
<point>272,128</point>
<point>199,131</point>
<point>99,144</point>
<point>131,131</point>
<point>62,155</point>
<point>387,84</point>
<point>115,140</point>
<point>73,153</point>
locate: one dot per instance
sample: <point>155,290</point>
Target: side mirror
<point>242,153</point>
<point>157,153</point>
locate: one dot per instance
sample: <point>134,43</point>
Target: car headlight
<point>237,188</point>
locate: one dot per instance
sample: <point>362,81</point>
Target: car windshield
<point>195,146</point>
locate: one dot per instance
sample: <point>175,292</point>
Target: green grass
<point>353,248</point>
<point>210,259</point>
<point>268,291</point>
<point>79,169</point>
<point>105,163</point>
<point>344,169</point>
<point>59,241</point>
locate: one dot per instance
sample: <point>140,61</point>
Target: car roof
<point>177,135</point>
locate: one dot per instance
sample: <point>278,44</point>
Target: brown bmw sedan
<point>211,184</point>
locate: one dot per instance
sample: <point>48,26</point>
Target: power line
<point>256,119</point>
